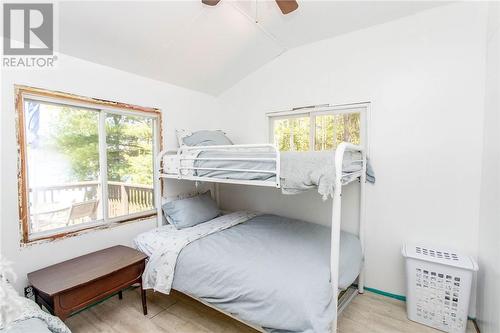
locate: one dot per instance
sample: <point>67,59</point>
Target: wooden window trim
<point>22,177</point>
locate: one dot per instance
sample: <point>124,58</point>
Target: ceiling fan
<point>286,6</point>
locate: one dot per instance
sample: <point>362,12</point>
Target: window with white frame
<point>321,128</point>
<point>83,164</point>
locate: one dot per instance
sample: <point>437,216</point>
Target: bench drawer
<point>79,297</point>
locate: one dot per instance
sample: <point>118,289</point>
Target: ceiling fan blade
<point>210,2</point>
<point>287,6</point>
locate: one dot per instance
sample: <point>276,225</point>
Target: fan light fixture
<point>286,6</point>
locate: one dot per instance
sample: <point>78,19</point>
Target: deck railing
<point>123,198</point>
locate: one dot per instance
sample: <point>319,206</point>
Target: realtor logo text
<point>28,31</point>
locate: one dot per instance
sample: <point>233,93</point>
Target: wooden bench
<point>72,285</point>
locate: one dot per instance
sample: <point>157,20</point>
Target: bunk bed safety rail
<point>228,147</point>
<point>228,169</point>
<point>187,156</point>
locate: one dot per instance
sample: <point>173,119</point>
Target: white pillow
<point>181,134</point>
<point>202,138</point>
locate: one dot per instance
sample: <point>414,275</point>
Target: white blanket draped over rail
<point>159,273</point>
<point>302,171</point>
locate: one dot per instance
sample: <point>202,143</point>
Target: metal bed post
<point>336,221</point>
<point>362,195</point>
<point>217,193</point>
<point>159,187</point>
<point>278,165</point>
<point>335,232</point>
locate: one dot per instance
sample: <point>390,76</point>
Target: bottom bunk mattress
<point>270,271</point>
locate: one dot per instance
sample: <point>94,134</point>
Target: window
<point>84,163</point>
<point>318,129</point>
<point>292,133</point>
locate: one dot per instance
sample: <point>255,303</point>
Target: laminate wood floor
<point>368,313</point>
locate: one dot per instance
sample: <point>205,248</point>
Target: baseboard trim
<point>386,294</point>
<point>403,299</point>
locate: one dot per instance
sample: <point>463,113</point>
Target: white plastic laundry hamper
<point>438,287</point>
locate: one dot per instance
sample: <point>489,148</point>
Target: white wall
<point>181,108</point>
<point>488,313</point>
<point>424,75</point>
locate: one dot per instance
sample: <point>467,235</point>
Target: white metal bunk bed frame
<point>336,206</point>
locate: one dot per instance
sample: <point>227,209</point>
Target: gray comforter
<point>270,271</point>
<point>32,325</point>
<point>26,316</point>
<point>300,171</point>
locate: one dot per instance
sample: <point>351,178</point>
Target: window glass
<point>129,142</point>
<point>292,134</point>
<point>63,155</point>
<point>62,147</point>
<point>332,129</point>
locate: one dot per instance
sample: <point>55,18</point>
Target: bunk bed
<point>261,165</point>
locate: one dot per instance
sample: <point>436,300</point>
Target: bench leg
<point>37,300</point>
<point>120,295</point>
<point>144,305</point>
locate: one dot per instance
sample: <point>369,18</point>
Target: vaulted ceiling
<point>205,48</point>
